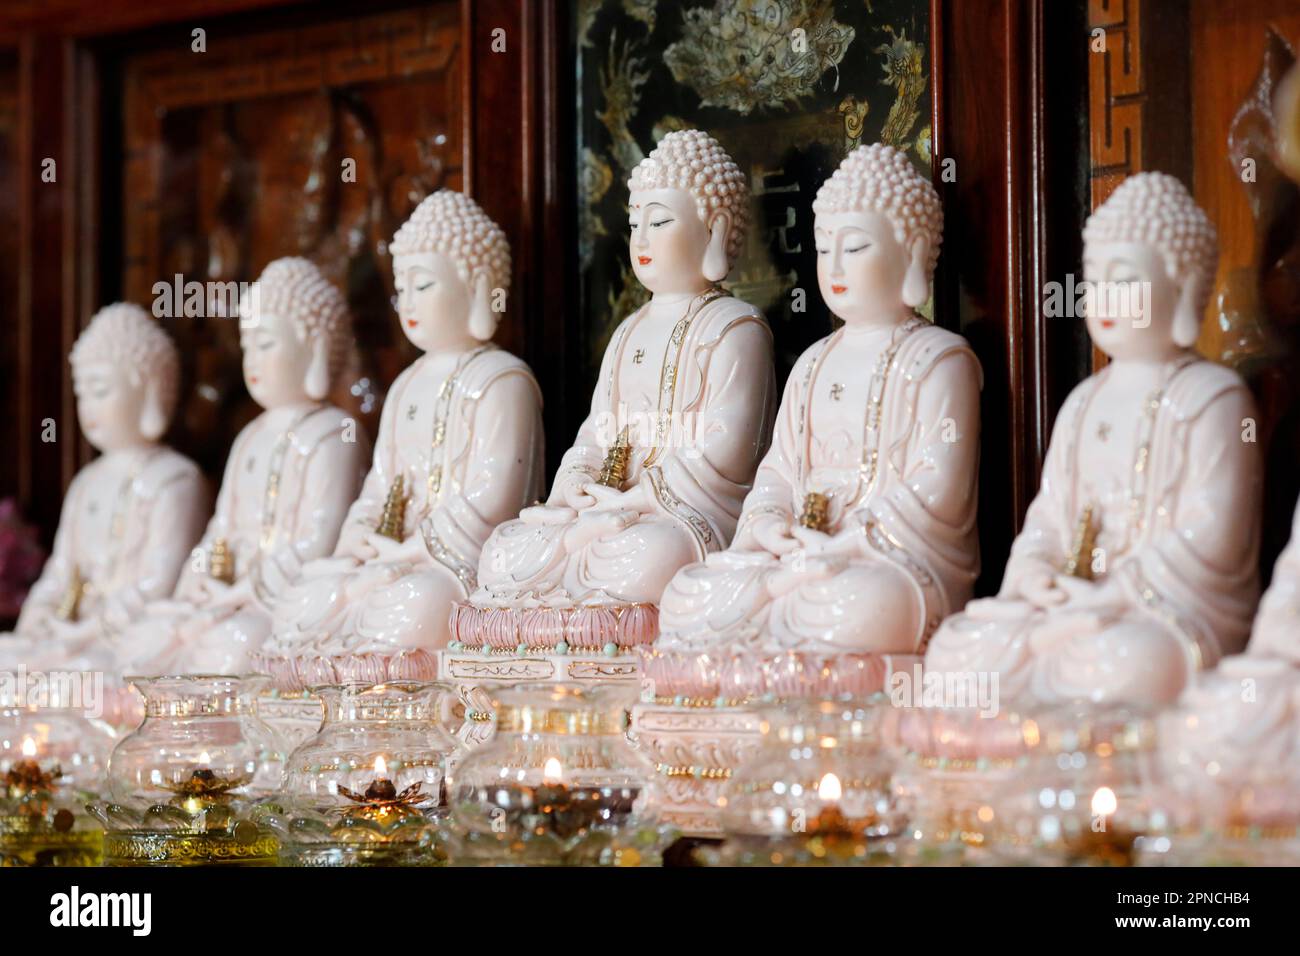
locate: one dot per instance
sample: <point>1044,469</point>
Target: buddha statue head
<point>878,224</point>
<point>451,270</point>
<point>295,331</point>
<point>1149,255</point>
<point>126,375</point>
<point>688,206</point>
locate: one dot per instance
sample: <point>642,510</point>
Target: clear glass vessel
<point>819,791</point>
<point>950,762</point>
<point>369,788</point>
<point>184,782</point>
<point>1087,796</point>
<point>559,784</point>
<point>53,757</point>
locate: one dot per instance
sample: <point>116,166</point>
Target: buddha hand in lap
<point>859,534</point>
<point>1136,565</point>
<point>459,450</point>
<point>131,515</point>
<point>291,475</point>
<point>679,417</point>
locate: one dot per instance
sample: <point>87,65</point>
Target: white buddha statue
<point>1233,742</point>
<point>290,478</point>
<point>859,535</point>
<point>678,422</point>
<point>459,451</point>
<point>1136,566</point>
<point>131,516</point>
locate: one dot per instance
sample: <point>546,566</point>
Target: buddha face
<point>861,266</point>
<point>275,360</point>
<point>667,241</point>
<point>110,405</point>
<point>433,301</point>
<point>1131,302</point>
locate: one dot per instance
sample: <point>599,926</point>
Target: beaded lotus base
<point>695,749</point>
<point>475,672</point>
<point>579,629</point>
<point>166,848</point>
<point>295,717</point>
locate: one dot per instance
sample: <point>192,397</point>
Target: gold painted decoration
<point>70,603</point>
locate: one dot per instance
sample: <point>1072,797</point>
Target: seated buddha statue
<point>1136,565</point>
<point>290,478</point>
<point>678,422</point>
<point>859,535</point>
<point>459,450</point>
<point>130,517</point>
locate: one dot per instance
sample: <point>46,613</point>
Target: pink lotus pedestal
<point>701,716</point>
<point>500,646</point>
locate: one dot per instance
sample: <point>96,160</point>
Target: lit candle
<point>553,771</point>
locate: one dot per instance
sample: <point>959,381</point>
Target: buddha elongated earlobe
<point>153,420</point>
<point>715,265</point>
<point>1187,322</point>
<point>482,323</point>
<point>916,284</point>
<point>317,381</point>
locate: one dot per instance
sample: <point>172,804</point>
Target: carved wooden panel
<point>313,141</point>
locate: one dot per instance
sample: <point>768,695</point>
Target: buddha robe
<point>1178,547</point>
<point>128,524</point>
<point>694,386</point>
<point>291,475</point>
<point>885,423</point>
<point>465,433</point>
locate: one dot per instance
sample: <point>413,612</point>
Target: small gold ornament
<point>392,520</point>
<point>614,472</point>
<point>70,604</point>
<point>221,563</point>
<point>1079,563</point>
<point>816,508</point>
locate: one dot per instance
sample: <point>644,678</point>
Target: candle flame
<point>552,771</point>
<point>381,766</point>
<point>29,747</point>
<point>829,788</point>
<point>205,758</point>
<point>1104,802</point>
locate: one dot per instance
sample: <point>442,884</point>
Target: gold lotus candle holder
<point>368,788</point>
<point>558,785</point>
<point>817,793</point>
<point>950,761</point>
<point>185,783</point>
<point>52,759</point>
<point>1087,796</point>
